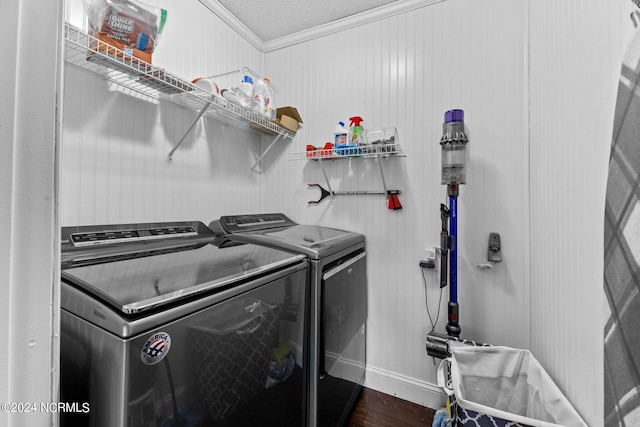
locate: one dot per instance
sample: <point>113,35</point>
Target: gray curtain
<point>622,251</point>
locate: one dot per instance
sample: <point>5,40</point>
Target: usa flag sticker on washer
<point>156,348</point>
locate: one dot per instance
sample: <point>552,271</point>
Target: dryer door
<point>342,338</point>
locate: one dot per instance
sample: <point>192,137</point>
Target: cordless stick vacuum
<point>454,143</point>
<point>454,154</point>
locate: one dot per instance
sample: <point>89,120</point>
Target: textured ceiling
<point>273,19</point>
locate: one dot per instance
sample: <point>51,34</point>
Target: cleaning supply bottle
<point>244,90</point>
<point>258,98</point>
<point>269,101</point>
<point>341,135</point>
<point>357,133</point>
<point>263,99</point>
<point>246,85</point>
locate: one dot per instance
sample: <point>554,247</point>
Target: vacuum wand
<point>453,326</point>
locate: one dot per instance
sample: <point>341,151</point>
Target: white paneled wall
<point>115,165</point>
<point>537,81</point>
<point>406,71</point>
<point>576,51</point>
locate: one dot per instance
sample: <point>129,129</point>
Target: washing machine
<point>161,327</point>
<point>338,305</point>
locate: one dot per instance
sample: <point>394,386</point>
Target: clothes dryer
<point>338,311</point>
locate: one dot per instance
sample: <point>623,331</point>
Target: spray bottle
<point>357,133</point>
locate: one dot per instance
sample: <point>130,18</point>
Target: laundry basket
<point>502,386</point>
<point>231,352</point>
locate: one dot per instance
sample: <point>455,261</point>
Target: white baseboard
<point>410,389</point>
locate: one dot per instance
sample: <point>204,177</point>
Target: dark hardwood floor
<point>381,410</point>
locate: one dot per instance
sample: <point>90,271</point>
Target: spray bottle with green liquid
<point>357,133</point>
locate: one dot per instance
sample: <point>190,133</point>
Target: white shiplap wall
<point>406,71</point>
<point>537,81</point>
<point>115,166</point>
<point>576,51</point>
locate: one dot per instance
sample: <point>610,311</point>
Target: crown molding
<point>333,27</point>
<point>346,23</point>
<point>231,20</point>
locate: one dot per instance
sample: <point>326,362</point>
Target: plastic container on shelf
<point>208,85</point>
<point>244,90</point>
<point>237,81</point>
<point>349,150</point>
<point>327,150</point>
<point>383,136</point>
<point>312,152</point>
<point>262,102</point>
<point>384,140</point>
<point>246,85</point>
<point>230,96</point>
<point>270,105</point>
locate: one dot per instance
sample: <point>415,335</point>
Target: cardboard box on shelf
<point>288,118</point>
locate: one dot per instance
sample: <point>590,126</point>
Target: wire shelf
<point>361,151</point>
<point>124,69</point>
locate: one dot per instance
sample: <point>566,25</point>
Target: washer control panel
<point>120,236</point>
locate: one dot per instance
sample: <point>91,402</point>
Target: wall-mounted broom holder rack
<point>154,83</point>
<point>379,152</point>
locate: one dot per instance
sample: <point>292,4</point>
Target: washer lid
<point>313,241</point>
<point>139,281</point>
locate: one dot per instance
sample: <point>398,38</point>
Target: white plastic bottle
<point>269,101</point>
<point>232,97</point>
<point>262,99</point>
<point>244,91</point>
<point>341,135</point>
<point>247,86</point>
